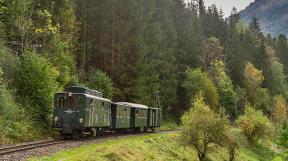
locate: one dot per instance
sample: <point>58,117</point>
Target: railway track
<point>28,146</point>
<point>34,145</point>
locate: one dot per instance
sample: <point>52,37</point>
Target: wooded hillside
<point>144,46</point>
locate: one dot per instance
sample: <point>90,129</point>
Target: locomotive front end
<point>68,113</point>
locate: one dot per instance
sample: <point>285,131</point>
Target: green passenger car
<point>120,116</point>
<point>138,115</point>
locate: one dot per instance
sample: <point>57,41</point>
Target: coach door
<point>153,117</point>
<point>91,118</point>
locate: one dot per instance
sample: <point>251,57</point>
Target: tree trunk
<point>202,156</point>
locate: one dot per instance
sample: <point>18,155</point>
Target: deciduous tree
<point>201,127</point>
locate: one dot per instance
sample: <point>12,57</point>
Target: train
<point>79,111</point>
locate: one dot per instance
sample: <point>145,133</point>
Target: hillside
<point>272,14</point>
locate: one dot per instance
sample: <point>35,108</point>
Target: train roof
<point>87,95</point>
<point>78,89</point>
<point>155,108</point>
<point>133,105</point>
<point>99,98</point>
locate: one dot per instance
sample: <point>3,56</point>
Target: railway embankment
<point>159,147</point>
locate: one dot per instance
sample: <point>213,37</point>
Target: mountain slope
<point>272,15</point>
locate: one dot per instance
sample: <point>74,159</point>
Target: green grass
<point>160,147</point>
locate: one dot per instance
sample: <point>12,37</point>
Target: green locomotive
<point>82,111</point>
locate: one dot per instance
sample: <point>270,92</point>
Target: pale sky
<point>227,5</point>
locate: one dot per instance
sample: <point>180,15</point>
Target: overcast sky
<point>227,5</point>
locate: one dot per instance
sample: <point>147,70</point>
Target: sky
<point>227,5</point>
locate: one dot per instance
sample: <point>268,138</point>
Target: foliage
<point>197,81</point>
<point>227,96</point>
<point>14,124</point>
<point>254,125</point>
<point>282,138</point>
<point>201,127</point>
<point>254,77</point>
<point>257,96</point>
<point>100,81</point>
<point>8,63</point>
<point>213,51</point>
<point>279,110</point>
<point>35,81</point>
<point>62,60</point>
<point>277,83</point>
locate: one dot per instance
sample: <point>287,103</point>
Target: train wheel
<point>75,134</point>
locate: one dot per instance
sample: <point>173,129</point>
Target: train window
<point>102,105</point>
<point>137,111</point>
<point>79,101</point>
<point>91,103</point>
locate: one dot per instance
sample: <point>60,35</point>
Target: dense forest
<point>129,50</point>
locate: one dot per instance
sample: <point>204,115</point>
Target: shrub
<point>100,81</point>
<point>202,127</point>
<point>14,123</point>
<point>35,82</point>
<point>254,124</point>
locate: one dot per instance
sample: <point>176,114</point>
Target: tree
<point>256,95</point>
<point>277,83</point>
<point>254,125</point>
<point>201,127</point>
<point>35,81</point>
<point>234,18</point>
<point>254,26</point>
<point>59,55</point>
<point>100,81</point>
<point>197,81</point>
<point>279,110</point>
<point>201,7</point>
<point>212,50</point>
<point>227,96</point>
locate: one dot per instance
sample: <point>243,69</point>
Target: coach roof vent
<point>78,89</point>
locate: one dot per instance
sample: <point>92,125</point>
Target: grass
<point>160,147</point>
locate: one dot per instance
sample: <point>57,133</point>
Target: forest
<point>129,49</point>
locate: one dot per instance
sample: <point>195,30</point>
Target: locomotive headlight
<point>56,118</point>
<point>81,120</point>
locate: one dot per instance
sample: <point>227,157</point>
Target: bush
<point>35,82</point>
<point>197,81</point>
<point>14,123</point>
<point>202,127</point>
<point>254,125</point>
<point>100,81</point>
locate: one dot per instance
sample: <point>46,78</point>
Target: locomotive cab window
<point>60,102</point>
<point>69,102</point>
<point>79,101</point>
